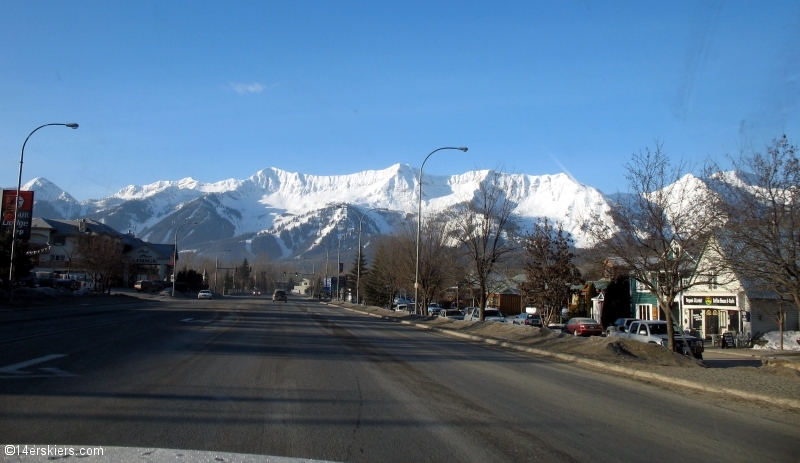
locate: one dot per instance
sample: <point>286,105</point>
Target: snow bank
<point>790,341</point>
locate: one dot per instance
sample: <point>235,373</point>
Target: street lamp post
<point>216,265</point>
<point>71,125</point>
<point>358,261</point>
<point>175,258</point>
<point>419,220</point>
<point>326,264</point>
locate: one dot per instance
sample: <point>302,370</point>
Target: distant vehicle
<point>579,326</point>
<point>434,309</point>
<point>530,319</point>
<point>279,295</point>
<point>453,314</point>
<point>620,325</point>
<point>489,314</point>
<point>655,332</point>
<point>148,286</point>
<point>205,294</point>
<point>256,292</point>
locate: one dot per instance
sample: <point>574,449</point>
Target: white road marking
<point>15,367</point>
<point>187,319</point>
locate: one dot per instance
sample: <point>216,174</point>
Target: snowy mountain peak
<point>47,190</point>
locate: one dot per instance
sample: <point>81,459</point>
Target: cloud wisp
<point>246,89</point>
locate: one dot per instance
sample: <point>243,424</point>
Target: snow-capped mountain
<point>285,214</point>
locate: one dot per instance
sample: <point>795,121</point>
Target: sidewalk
<point>786,358</point>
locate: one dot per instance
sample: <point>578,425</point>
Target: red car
<point>583,327</point>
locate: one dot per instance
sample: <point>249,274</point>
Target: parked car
<point>489,314</point>
<point>453,314</point>
<point>279,295</point>
<point>655,332</point>
<point>620,325</point>
<point>434,309</point>
<point>148,286</point>
<point>205,294</point>
<point>580,326</point>
<point>531,319</point>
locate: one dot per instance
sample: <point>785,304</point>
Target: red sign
<point>24,206</point>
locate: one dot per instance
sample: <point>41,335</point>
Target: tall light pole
<point>216,264</point>
<point>175,258</point>
<point>338,261</point>
<point>419,220</point>
<point>358,261</point>
<point>326,263</point>
<point>71,125</point>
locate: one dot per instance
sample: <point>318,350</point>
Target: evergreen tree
<point>352,277</point>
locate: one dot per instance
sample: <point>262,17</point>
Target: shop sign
<point>710,300</point>
<point>145,256</point>
<point>24,214</point>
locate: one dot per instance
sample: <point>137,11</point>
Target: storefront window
<point>733,320</point>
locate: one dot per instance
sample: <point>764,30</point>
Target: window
<point>712,281</point>
<point>59,240</point>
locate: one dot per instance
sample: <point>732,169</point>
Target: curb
<point>595,363</point>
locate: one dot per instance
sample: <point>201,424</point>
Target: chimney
<point>82,225</point>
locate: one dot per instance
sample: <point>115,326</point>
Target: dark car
<point>279,295</point>
<point>530,319</point>
<point>579,326</point>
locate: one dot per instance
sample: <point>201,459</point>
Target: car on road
<point>256,292</point>
<point>279,295</point>
<point>205,294</point>
<point>580,326</point>
<point>452,314</point>
<point>530,319</point>
<point>620,325</point>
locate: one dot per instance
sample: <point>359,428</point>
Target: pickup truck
<point>655,332</point>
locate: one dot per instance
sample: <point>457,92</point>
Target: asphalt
<point>714,357</point>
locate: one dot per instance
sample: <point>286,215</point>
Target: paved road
<point>307,380</point>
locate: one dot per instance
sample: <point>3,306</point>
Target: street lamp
<point>358,261</point>
<point>175,259</point>
<point>216,264</point>
<point>326,263</point>
<point>71,125</point>
<point>419,219</point>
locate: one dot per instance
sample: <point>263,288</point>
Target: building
<point>726,302</point>
<point>53,244</point>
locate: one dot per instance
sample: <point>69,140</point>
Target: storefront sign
<point>710,300</point>
<point>24,214</point>
<point>145,256</point>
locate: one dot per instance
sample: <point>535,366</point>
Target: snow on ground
<point>791,341</point>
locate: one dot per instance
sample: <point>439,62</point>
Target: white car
<point>205,294</point>
<point>489,314</point>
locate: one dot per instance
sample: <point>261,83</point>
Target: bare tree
<point>483,228</point>
<point>762,235</point>
<point>549,268</point>
<point>100,255</point>
<point>435,258</point>
<point>660,228</point>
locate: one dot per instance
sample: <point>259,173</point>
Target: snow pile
<point>791,341</point>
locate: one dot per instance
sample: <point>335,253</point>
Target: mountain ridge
<point>288,211</point>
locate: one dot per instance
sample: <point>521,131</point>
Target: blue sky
<point>218,90</point>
